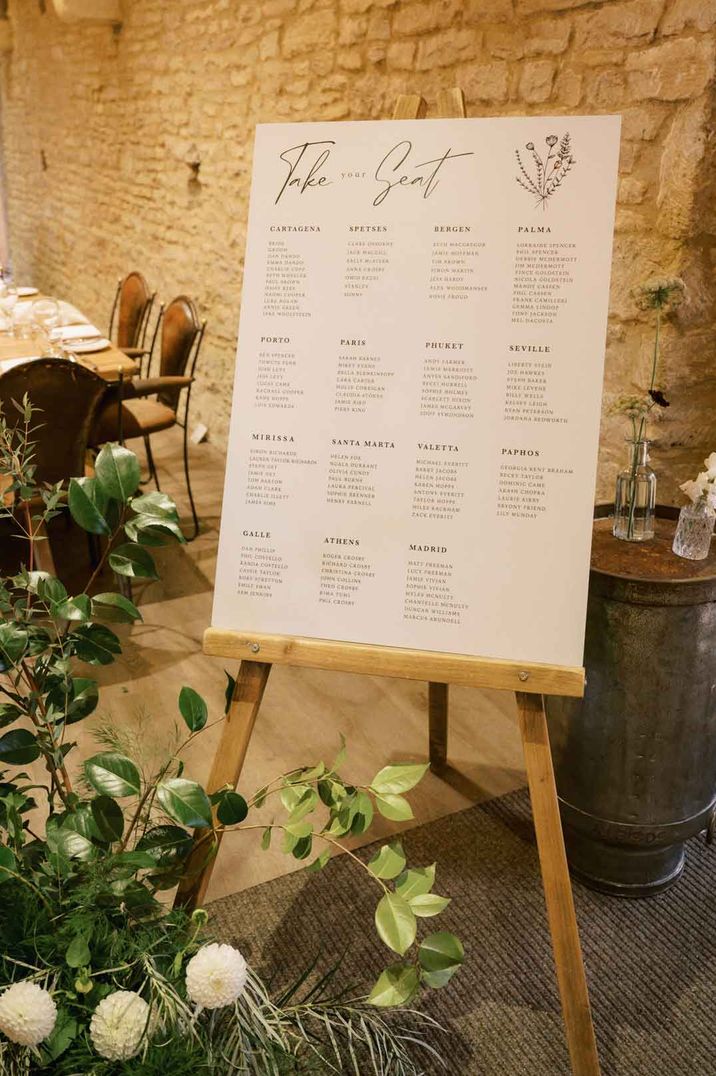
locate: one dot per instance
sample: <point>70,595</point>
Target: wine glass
<point>8,299</point>
<point>46,315</point>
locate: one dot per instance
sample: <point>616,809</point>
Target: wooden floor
<point>304,711</point>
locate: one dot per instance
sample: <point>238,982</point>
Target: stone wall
<point>131,147</point>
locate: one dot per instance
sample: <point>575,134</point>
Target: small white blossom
<point>693,490</point>
<point>216,976</point>
<point>27,1013</point>
<point>119,1024</point>
<point>710,463</point>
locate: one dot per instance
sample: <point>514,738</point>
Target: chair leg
<point>186,473</point>
<point>150,460</point>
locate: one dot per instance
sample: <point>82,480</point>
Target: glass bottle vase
<point>693,531</point>
<point>635,496</point>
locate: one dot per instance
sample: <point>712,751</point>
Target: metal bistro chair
<point>153,403</point>
<point>67,397</point>
<point>132,308</point>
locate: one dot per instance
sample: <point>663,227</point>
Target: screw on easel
<point>255,647</point>
<point>523,675</point>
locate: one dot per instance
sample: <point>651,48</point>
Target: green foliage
<point>81,909</point>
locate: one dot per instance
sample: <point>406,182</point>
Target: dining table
<point>110,362</point>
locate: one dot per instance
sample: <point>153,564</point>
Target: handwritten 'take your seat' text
<point>306,169</point>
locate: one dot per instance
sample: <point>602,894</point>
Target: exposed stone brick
<point>642,122</point>
<point>631,190</point>
<point>672,71</point>
<point>687,14</point>
<point>447,48</point>
<point>536,81</point>
<point>401,54</point>
<point>505,42</point>
<point>548,37</point>
<point>619,24</point>
<point>310,32</point>
<point>485,82</point>
<point>417,18</point>
<point>568,87</point>
<point>605,89</point>
<point>487,11</point>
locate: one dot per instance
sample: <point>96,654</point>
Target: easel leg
<point>557,887</point>
<point>438,714</point>
<point>226,769</point>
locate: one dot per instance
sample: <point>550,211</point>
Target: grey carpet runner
<point>651,963</point>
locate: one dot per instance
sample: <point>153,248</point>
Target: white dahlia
<point>118,1025</point>
<point>27,1013</point>
<point>216,976</point>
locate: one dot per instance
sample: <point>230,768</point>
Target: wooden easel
<point>530,682</point>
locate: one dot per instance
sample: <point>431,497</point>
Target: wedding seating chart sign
<point>414,431</point>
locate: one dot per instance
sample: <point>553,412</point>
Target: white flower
<point>693,490</point>
<point>216,976</point>
<point>710,462</point>
<point>27,1013</point>
<point>119,1024</point>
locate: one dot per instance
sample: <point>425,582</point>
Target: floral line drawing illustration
<point>548,174</point>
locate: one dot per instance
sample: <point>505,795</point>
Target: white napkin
<point>74,332</point>
<point>7,364</point>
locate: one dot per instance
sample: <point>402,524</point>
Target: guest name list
<point>418,384</point>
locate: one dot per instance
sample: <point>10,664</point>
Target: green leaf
<point>51,590</point>
<point>303,806</point>
<point>320,861</point>
<point>7,863</point>
<point>388,862</point>
<point>18,747</point>
<point>155,527</point>
<point>13,640</point>
<point>266,839</point>
<point>95,644</point>
<point>341,756</point>
<point>112,606</point>
<point>9,713</point>
<point>441,952</point>
<point>397,778</point>
<point>396,808</point>
<point>63,1034</point>
<point>302,848</point>
<point>79,608</point>
<point>395,923</point>
<point>117,471</point>
<point>425,905</point>
<point>193,709</point>
<point>260,796</point>
<point>166,844</point>
<point>108,818</point>
<point>185,801</point>
<point>112,774</point>
<point>415,882</point>
<point>363,817</point>
<point>229,691</point>
<point>437,979</point>
<point>298,829</point>
<point>232,808</point>
<point>156,503</point>
<point>134,561</point>
<point>87,502</point>
<point>132,862</point>
<point>396,986</point>
<point>76,834</point>
<point>78,952</point>
<point>76,700</point>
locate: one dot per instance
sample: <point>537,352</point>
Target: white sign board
<point>416,409</point>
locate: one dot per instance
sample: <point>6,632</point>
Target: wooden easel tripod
<point>257,653</point>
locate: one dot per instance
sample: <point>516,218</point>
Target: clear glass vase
<point>693,531</point>
<point>635,496</point>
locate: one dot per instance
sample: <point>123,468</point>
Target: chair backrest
<point>181,330</point>
<point>66,396</point>
<point>133,303</point>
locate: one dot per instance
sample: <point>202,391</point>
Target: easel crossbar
<point>371,660</point>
